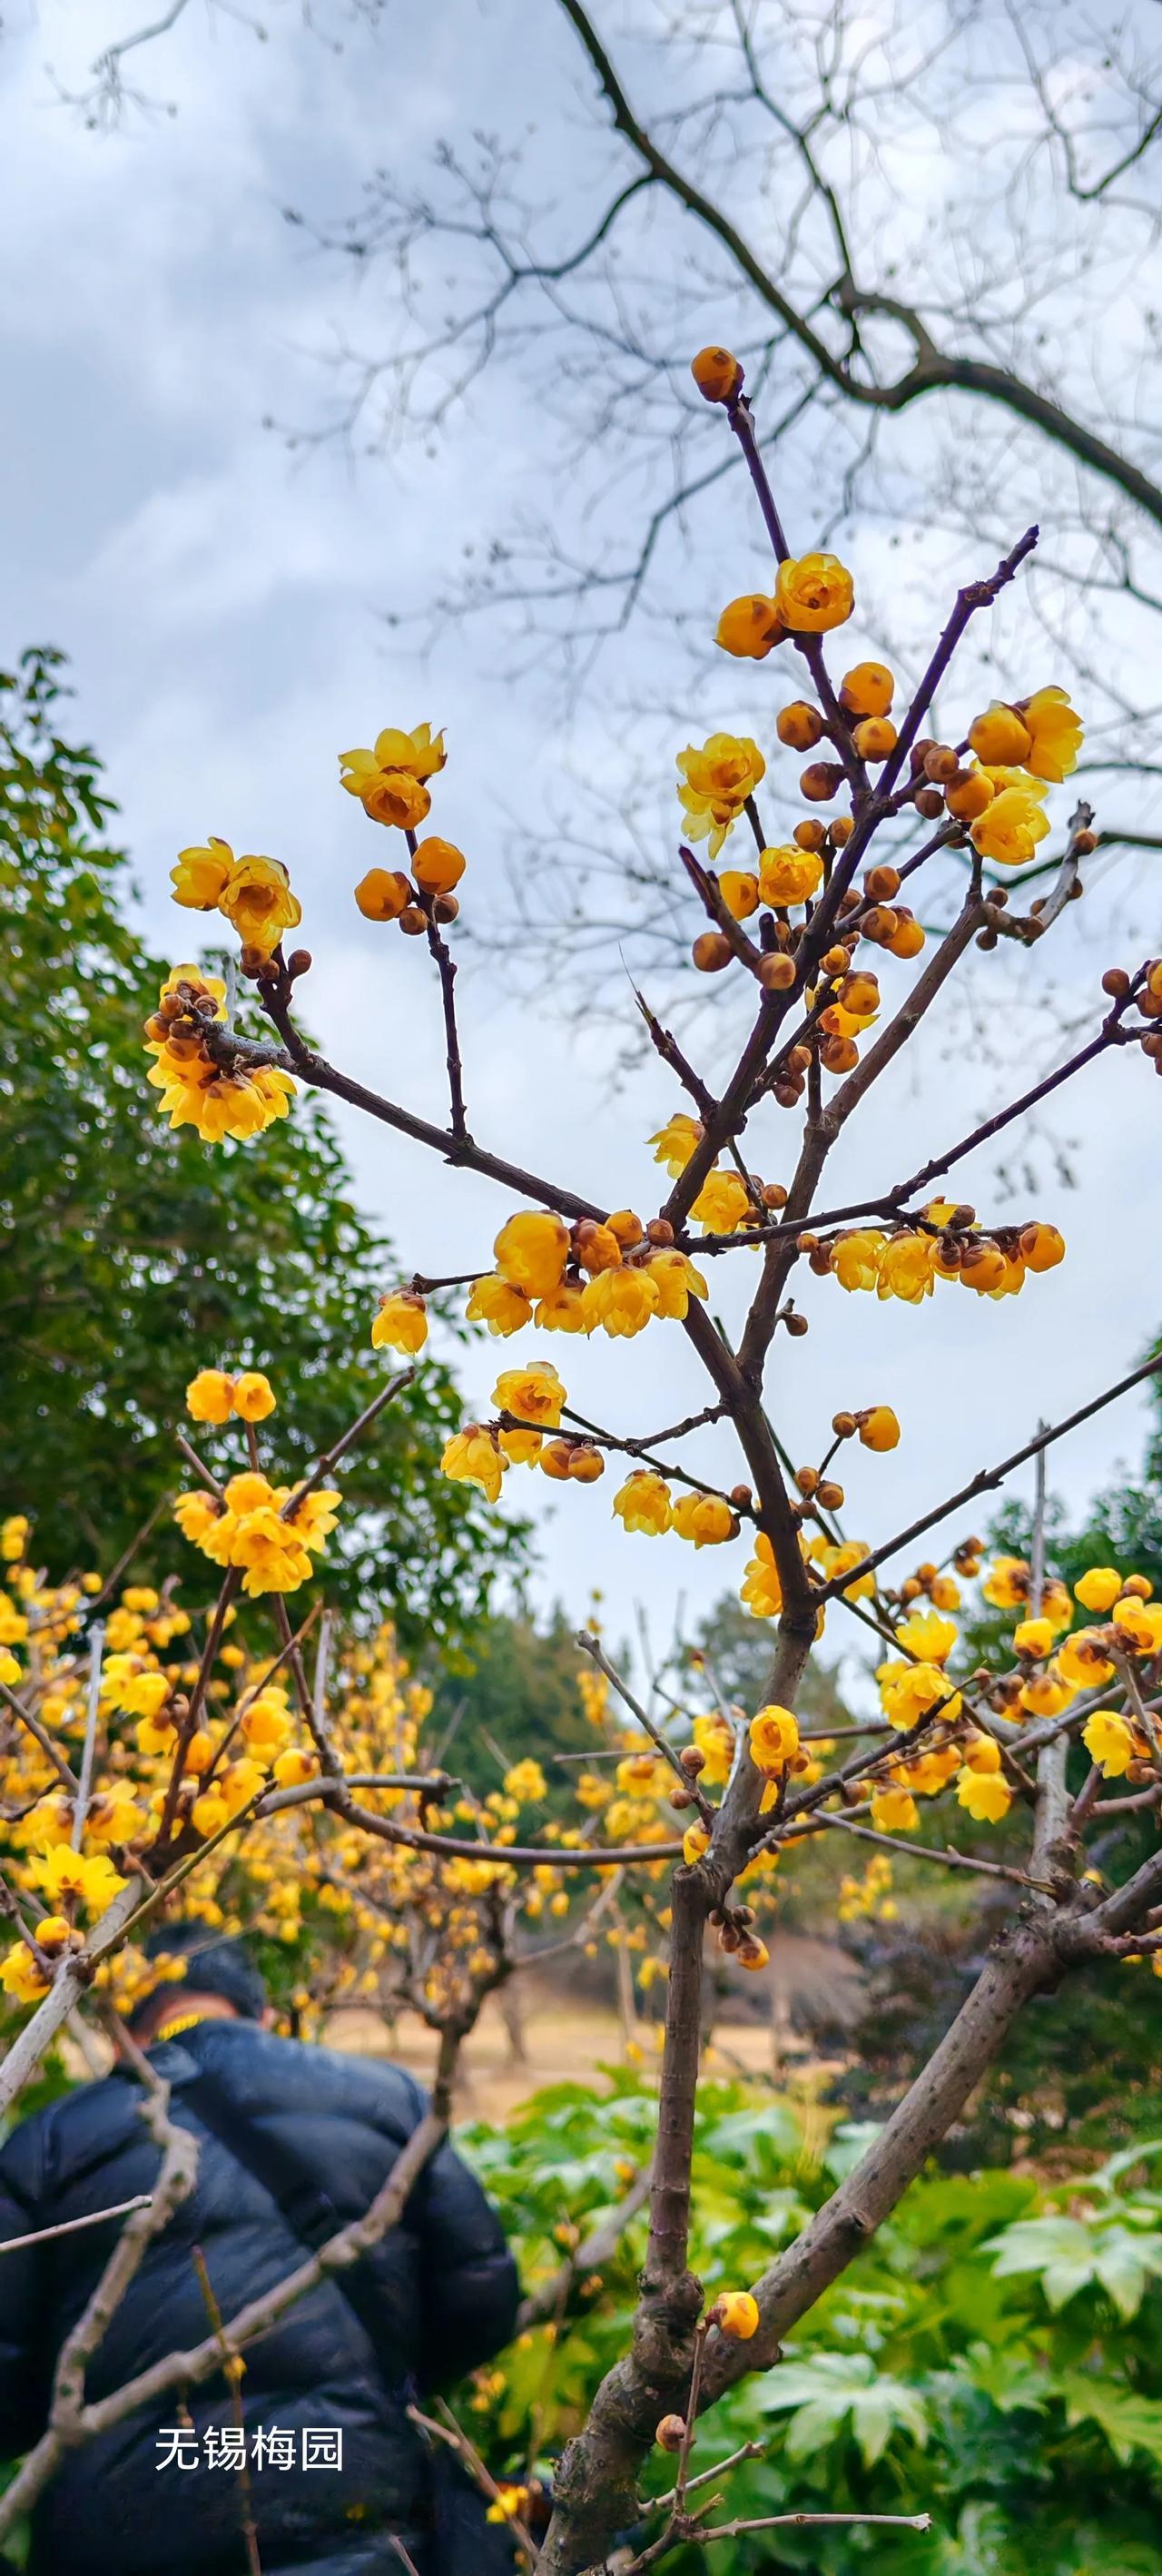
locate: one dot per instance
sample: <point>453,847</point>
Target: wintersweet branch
<point>990,1477</point>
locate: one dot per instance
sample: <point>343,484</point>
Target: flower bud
<point>586,1464</point>
<point>840,830</point>
<point>774,1195</point>
<point>692,1759</point>
<point>807,1479</point>
<point>711,952</point>
<point>741,1497</point>
<point>835,962</point>
<point>875,737</point>
<point>830,1496</point>
<point>1115,982</point>
<point>777,972</point>
<point>445,907</point>
<point>413,921</point>
<point>670,2433</point>
<point>821,780</point>
<point>843,1425</point>
<point>788,1094</point>
<point>626,1226</point>
<point>383,894</point>
<point>920,750</point>
<point>800,726</point>
<point>882,882</point>
<point>880,924</point>
<point>928,802</point>
<point>717,374</point>
<point>299,962</point>
<point>839,1055</point>
<point>941,764</point>
<point>796,1324</point>
<point>810,834</point>
<point>660,1231</point>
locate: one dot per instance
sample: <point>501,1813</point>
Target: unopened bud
<point>843,1425</point>
<point>929,802</point>
<point>412,921</point>
<point>777,972</point>
<point>670,2433</point>
<point>711,952</point>
<point>299,962</point>
<point>796,1324</point>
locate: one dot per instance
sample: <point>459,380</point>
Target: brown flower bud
<point>941,763</point>
<point>742,1497</point>
<point>929,802</point>
<point>809,834</point>
<point>1115,982</point>
<point>777,972</point>
<point>444,907</point>
<point>807,1479</point>
<point>850,900</point>
<point>830,1495</point>
<point>920,751</point>
<point>788,1094</point>
<point>843,1425</point>
<point>840,829</point>
<point>680,1797</point>
<point>670,2433</point>
<point>412,921</point>
<point>774,1195</point>
<point>798,1060</point>
<point>880,923</point>
<point>835,962</point>
<point>717,374</point>
<point>299,962</point>
<point>1083,844</point>
<point>659,1230</point>
<point>882,882</point>
<point>692,1759</point>
<point>711,952</point>
<point>821,780</point>
<point>796,1324</point>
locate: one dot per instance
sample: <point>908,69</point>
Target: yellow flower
<point>814,593</point>
<point>982,1753</point>
<point>389,781</point>
<point>879,1428</point>
<point>1083,1659</point>
<point>675,1142</point>
<point>1099,1588</point>
<point>1109,1742</point>
<point>927,1634</point>
<point>155,1735</point>
<point>473,1457</point>
<point>1139,1624</point>
<point>894,1811</point>
<point>750,627</point>
<point>401,1323</point>
<point>736,2315</point>
<point>1000,736</point>
<point>714,1737</point>
<point>313,1519</point>
<point>525,1782</point>
<point>773,1736</point>
<point>706,1519</point>
<point>905,1268</point>
<point>13,1537</point>
<point>984,1795</point>
<point>722,1203</point>
<point>259,903</point>
<point>1046,1693</point>
<point>254,1396</point>
<point>531,1251</point>
<point>1033,1637</point>
<point>495,1302</point>
<point>676,1281</point>
<point>201,875</point>
<point>266,1549</point>
<point>1009,829</point>
<point>855,1258</point>
<point>761,1590</point>
<point>61,1873</point>
<point>716,782</point>
<point>21,1977</point>
<point>535,1394</point>
<point>695,1841</point>
<point>970,796</point>
<point>1042,1247</point>
<point>210,1396</point>
<point>789,875</point>
<point>293,1768</point>
<point>1006,1584</point>
<point>265,1727</point>
<point>508,2504</point>
<point>909,1691</point>
<point>563,1310</point>
<point>621,1301</point>
<point>1055,734</point>
<point>196,1515</point>
<point>644,1503</point>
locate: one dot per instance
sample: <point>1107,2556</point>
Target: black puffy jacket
<point>437,2296</point>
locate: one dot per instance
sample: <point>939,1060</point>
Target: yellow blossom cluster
<point>253,894</point>
<point>614,1275</point>
<point>238,1099</point>
<point>907,1262</point>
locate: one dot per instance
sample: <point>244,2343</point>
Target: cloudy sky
<point>221,595</point>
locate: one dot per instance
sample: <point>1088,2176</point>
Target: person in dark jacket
<point>293,2141</point>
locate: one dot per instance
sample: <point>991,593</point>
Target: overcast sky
<point>221,598</point>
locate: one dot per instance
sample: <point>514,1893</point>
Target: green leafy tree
<point>133,1257</point>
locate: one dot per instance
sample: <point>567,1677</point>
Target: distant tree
<point>132,1257</point>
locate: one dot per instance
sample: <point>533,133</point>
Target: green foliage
<point>134,1256</point>
<point>952,2368</point>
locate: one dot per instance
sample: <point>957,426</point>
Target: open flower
<point>1055,734</point>
<point>202,875</point>
<point>644,1503</point>
<point>257,900</point>
<point>473,1457</point>
<point>621,1301</point>
<point>495,1302</point>
<point>675,1142</point>
<point>706,1519</point>
<point>535,1394</point>
<point>531,1251</point>
<point>716,782</point>
<point>813,593</point>
<point>401,1323</point>
<point>789,875</point>
<point>210,1396</point>
<point>389,780</point>
<point>773,1736</point>
<point>1009,829</point>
